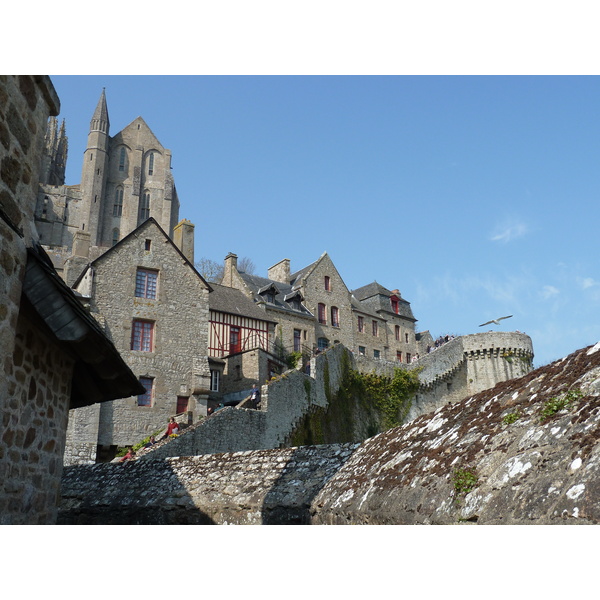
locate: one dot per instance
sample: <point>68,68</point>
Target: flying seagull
<point>495,321</point>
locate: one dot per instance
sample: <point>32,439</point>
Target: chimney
<point>81,244</point>
<point>230,269</point>
<point>183,236</point>
<point>280,272</point>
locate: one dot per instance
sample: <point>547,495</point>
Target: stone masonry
<point>526,466</point>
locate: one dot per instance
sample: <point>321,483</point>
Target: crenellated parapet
<point>470,364</point>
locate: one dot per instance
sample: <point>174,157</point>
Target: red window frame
<point>234,340</point>
<point>322,314</point>
<point>395,304</point>
<point>142,335</point>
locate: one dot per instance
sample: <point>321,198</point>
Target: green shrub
<point>558,403</point>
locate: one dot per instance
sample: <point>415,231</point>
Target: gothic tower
<point>54,157</point>
<point>94,171</point>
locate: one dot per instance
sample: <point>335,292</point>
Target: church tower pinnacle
<point>94,172</point>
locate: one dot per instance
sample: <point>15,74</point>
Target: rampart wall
<point>458,369</point>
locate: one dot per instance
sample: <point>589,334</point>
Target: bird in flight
<point>495,321</point>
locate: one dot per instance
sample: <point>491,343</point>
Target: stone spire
<point>100,121</point>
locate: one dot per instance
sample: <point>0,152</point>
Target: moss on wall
<point>364,405</point>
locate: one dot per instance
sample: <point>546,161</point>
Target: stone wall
<point>534,468</point>
<point>34,375</point>
<point>263,487</point>
<point>293,395</point>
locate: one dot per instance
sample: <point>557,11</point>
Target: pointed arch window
<point>122,155</point>
<point>145,207</point>
<point>151,163</point>
<point>118,205</point>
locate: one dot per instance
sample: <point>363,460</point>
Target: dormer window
<point>395,304</point>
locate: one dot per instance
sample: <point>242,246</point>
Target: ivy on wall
<point>364,405</point>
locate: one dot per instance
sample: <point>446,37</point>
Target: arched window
<point>118,205</point>
<point>151,163</point>
<point>122,155</point>
<point>145,206</point>
<point>115,236</point>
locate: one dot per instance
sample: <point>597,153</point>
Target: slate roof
<point>233,301</point>
<point>377,298</point>
<point>283,297</point>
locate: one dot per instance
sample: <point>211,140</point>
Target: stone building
<point>385,325</point>
<point>125,179</point>
<point>314,309</point>
<point>153,304</point>
<point>53,355</point>
<point>241,343</point>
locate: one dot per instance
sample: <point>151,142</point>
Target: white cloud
<point>587,282</point>
<point>548,291</point>
<point>509,232</point>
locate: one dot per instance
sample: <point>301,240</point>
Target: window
<point>147,245</point>
<point>407,357</point>
<point>361,325</point>
<point>335,316</point>
<point>297,340</point>
<point>362,350</point>
<point>399,356</point>
<point>142,334</point>
<point>146,399</point>
<point>395,305</point>
<point>322,343</point>
<point>234,340</point>
<point>322,315</point>
<point>376,354</point>
<point>145,207</point>
<point>115,236</point>
<point>327,283</point>
<point>118,205</point>
<point>145,284</point>
<point>122,159</point>
<point>375,328</point>
<point>398,332</point>
<point>151,163</point>
<point>215,379</point>
<point>182,404</point>
<point>406,337</point>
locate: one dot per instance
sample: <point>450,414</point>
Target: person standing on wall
<point>255,397</point>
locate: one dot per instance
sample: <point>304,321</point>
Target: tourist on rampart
<point>130,454</point>
<point>151,442</point>
<point>172,428</point>
<point>255,397</point>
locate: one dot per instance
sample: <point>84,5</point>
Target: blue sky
<point>475,196</point>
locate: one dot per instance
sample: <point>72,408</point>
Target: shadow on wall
<point>132,493</point>
<point>289,498</point>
